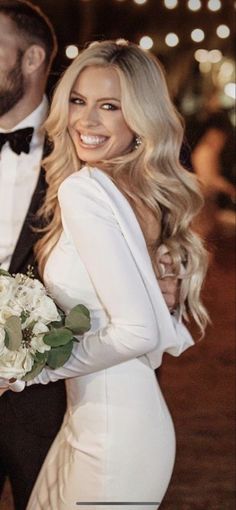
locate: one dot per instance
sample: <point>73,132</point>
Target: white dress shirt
<point>18,179</point>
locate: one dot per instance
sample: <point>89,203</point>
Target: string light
<point>170,4</point>
<point>172,39</point>
<point>72,51</point>
<point>197,35</point>
<point>214,5</point>
<point>223,31</point>
<point>194,5</point>
<point>146,42</point>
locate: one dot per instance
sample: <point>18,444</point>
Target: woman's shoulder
<point>82,188</point>
<point>75,178</point>
<point>80,181</point>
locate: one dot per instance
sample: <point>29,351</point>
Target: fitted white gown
<point>117,442</point>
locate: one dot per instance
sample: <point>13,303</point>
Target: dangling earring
<point>137,142</point>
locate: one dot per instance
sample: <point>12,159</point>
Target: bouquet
<point>34,332</point>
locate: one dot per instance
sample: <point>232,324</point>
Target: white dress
<point>117,443</point>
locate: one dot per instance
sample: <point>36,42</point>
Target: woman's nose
<point>89,117</point>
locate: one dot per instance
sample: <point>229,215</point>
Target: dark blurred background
<point>193,39</point>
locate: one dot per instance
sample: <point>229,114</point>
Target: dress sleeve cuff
<point>17,386</point>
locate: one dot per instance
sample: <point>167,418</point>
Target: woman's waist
<point>109,402</point>
<point>117,384</point>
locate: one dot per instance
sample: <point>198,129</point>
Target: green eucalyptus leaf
<point>58,356</point>
<point>24,316</point>
<point>40,357</point>
<point>3,272</point>
<point>13,328</point>
<point>6,339</point>
<point>55,324</point>
<point>78,320</point>
<point>57,337</point>
<point>36,369</point>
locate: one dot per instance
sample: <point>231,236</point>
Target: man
<point>29,420</point>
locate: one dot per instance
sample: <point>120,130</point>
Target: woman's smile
<point>92,141</point>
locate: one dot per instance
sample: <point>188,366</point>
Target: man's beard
<point>13,88</point>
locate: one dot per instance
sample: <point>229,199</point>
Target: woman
<point>117,136</point>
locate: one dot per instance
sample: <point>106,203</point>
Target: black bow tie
<point>19,140</point>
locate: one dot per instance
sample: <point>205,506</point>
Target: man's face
<point>12,87</point>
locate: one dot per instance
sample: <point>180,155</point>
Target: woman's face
<point>96,123</point>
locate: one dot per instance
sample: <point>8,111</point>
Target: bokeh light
<point>214,56</point>
<point>146,42</point>
<point>194,5</point>
<point>223,31</point>
<point>230,90</point>
<point>205,67</point>
<point>72,51</point>
<point>172,39</point>
<point>201,55</point>
<point>170,4</point>
<point>197,35</point>
<point>226,72</point>
<point>214,5</point>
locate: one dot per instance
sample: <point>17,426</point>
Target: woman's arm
<point>94,231</point>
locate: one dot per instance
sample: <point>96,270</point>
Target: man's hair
<point>32,25</point>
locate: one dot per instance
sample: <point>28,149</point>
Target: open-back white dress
<point>116,447</point>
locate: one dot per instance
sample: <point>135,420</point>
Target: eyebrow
<point>100,99</point>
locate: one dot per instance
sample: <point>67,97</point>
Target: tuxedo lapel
<point>27,236</point>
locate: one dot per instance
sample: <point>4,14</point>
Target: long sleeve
<point>131,331</point>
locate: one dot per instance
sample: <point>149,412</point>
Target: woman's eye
<point>76,100</point>
<point>109,106</point>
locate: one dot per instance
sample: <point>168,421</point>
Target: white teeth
<point>92,140</point>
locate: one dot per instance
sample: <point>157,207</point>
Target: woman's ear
<point>33,58</point>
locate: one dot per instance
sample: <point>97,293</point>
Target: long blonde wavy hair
<point>153,170</point>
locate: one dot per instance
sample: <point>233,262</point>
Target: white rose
<point>34,288</point>
<point>7,286</point>
<point>37,343</point>
<point>7,311</point>
<point>15,363</point>
<point>29,283</point>
<point>28,298</point>
<point>29,292</point>
<point>39,328</point>
<point>46,311</point>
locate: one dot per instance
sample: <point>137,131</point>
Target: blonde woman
<point>116,193</point>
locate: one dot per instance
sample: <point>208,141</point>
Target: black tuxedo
<point>29,420</point>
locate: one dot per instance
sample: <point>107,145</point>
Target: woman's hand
<point>2,390</point>
<point>4,385</point>
<point>11,384</point>
<point>168,282</point>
